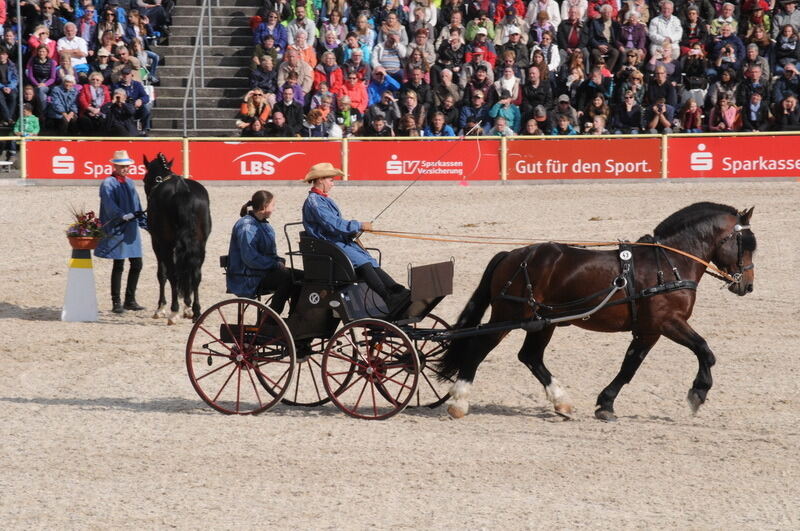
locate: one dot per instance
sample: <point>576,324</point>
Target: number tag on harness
<point>625,255</point>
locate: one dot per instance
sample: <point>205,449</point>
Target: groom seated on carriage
<point>322,219</point>
<point>254,267</point>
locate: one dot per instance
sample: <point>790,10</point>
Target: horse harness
<point>626,278</point>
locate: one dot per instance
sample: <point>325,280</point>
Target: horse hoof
<point>456,412</point>
<point>565,411</point>
<point>694,401</point>
<point>171,322</point>
<point>605,415</point>
<point>187,313</point>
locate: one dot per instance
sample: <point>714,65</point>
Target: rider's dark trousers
<point>378,280</point>
<point>133,279</point>
<point>279,280</point>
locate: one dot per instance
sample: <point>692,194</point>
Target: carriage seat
<point>223,263</point>
<point>323,261</point>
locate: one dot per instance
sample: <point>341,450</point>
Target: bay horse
<point>179,222</point>
<point>531,284</point>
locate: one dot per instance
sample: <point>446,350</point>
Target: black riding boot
<point>130,287</point>
<point>390,291</point>
<point>116,284</point>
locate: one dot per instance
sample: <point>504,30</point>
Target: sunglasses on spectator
<point>628,97</point>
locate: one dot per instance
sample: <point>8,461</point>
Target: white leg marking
<point>555,393</point>
<point>458,405</point>
<point>173,318</point>
<point>161,311</point>
<point>187,311</point>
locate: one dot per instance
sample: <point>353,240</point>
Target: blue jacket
<point>446,131</point>
<point>251,254</point>
<point>135,91</point>
<point>62,101</point>
<point>375,90</point>
<point>322,219</point>
<point>123,239</point>
<point>510,113</point>
<point>481,114</point>
<point>12,76</point>
<point>280,34</point>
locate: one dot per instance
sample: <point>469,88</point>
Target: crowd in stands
<point>332,68</point>
<point>87,65</point>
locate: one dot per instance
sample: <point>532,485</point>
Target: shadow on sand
<point>12,311</point>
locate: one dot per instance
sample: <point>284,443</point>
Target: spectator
<point>476,113</point>
<point>107,42</point>
<point>293,63</point>
<point>39,106</point>
<point>571,36</point>
<point>91,98</point>
<point>596,107</point>
<point>136,94</point>
<point>277,127</point>
<point>598,126</point>
<point>691,117</point>
<point>659,87</point>
<point>391,18</point>
<point>110,22</point>
<point>694,30</point>
<point>727,84</point>
<point>627,117</point>
<point>604,32</point>
<point>515,44</point>
<point>535,92</point>
<point>314,126</point>
<point>331,43</point>
<point>507,23</point>
<point>725,117</point>
<point>446,88</point>
<point>149,60</point>
<point>451,113</point>
<point>254,107</point>
<point>694,67</point>
<point>641,8</point>
<point>63,108</point>
<point>726,16</point>
<point>11,43</point>
<point>787,48</point>
<point>476,58</point>
<point>790,16</point>
<point>155,12</point>
<point>550,53</point>
<point>540,26</point>
<point>41,72</point>
<point>760,38</point>
<point>102,64</point>
<point>417,84</point>
<point>632,36</point>
<point>755,115</point>
<point>563,127</point>
<point>753,82</point>
<point>304,48</point>
<point>49,19</point>
<point>480,22</point>
<point>787,84</point>
<point>347,117</point>
<point>573,75</point>
<point>410,105</point>
<point>265,77</point>
<point>356,93</point>
<point>407,126</point>
<point>366,35</point>
<point>137,29</point>
<point>26,126</point>
<point>506,109</point>
<point>380,84</point>
<point>329,72</point>
<point>532,128</point>
<point>291,110</point>
<point>727,50</point>
<point>125,61</point>
<point>301,23</point>
<point>422,43</point>
<point>450,55</point>
<point>388,55</point>
<point>594,7</point>
<point>267,47</point>
<point>358,64</point>
<point>379,128</point>
<point>479,83</point>
<point>788,116</point>
<point>438,126</point>
<point>590,87</point>
<point>664,26</point>
<point>665,58</point>
<point>659,116</point>
<point>541,119</point>
<point>255,129</point>
<point>414,61</point>
<point>334,24</point>
<point>272,27</point>
<point>9,89</point>
<point>41,37</point>
<point>501,128</point>
<point>510,83</point>
<point>550,7</point>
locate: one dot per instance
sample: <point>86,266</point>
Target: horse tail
<point>190,238</point>
<point>471,315</point>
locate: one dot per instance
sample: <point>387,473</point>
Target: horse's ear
<point>144,159</point>
<point>747,214</point>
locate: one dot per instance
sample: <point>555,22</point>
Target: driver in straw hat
<point>119,205</point>
<point>322,219</point>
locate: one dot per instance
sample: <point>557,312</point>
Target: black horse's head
<point>157,170</point>
<point>734,252</point>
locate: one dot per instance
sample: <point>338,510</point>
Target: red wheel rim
<point>382,365</point>
<point>240,357</point>
<point>308,388</point>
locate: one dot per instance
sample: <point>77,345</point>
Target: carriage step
<point>249,334</point>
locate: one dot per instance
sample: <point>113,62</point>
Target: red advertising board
<point>90,159</point>
<point>585,158</point>
<point>733,156</point>
<point>425,160</point>
<point>286,161</point>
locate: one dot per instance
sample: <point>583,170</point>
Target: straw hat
<point>322,170</point>
<point>121,158</point>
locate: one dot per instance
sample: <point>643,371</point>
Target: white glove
<point>127,217</point>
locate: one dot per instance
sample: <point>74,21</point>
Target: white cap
<point>512,30</point>
<point>482,31</point>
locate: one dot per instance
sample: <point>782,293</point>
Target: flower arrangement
<point>86,225</point>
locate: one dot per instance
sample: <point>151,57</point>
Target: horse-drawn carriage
<point>340,342</point>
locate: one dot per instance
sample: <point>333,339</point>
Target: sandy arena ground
<point>102,429</point>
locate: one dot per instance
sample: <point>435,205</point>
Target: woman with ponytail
<point>254,266</point>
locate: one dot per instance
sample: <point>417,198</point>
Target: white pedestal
<point>80,302</point>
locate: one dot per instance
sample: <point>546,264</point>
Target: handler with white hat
<point>119,206</point>
<point>322,219</point>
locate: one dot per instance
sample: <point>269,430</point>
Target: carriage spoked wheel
<point>431,391</point>
<point>241,357</point>
<point>308,389</point>
<point>382,365</point>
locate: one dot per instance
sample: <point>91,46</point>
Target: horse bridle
<point>737,233</point>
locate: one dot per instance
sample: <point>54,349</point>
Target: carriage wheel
<point>383,366</point>
<point>431,392</point>
<point>240,357</point>
<point>308,389</point>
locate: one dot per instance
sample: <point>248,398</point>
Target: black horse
<point>535,285</point>
<point>179,221</point>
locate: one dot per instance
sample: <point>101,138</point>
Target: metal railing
<point>191,80</point>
